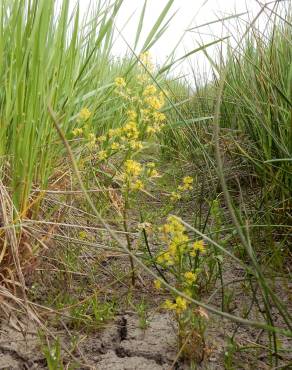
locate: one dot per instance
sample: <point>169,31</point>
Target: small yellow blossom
<point>146,60</point>
<point>145,113</point>
<point>133,168</point>
<point>101,138</point>
<point>77,131</point>
<point>142,78</point>
<point>174,225</point>
<point>157,284</point>
<point>188,180</point>
<point>165,258</point>
<point>190,277</point>
<point>115,146</point>
<point>160,259</point>
<point>174,196</point>
<point>132,115</point>
<point>91,137</point>
<point>131,131</point>
<point>198,246</point>
<point>84,114</point>
<point>159,117</point>
<point>114,132</point>
<point>120,82</point>
<point>82,234</point>
<point>152,172</point>
<point>169,305</point>
<point>151,130</point>
<point>187,183</point>
<point>149,90</point>
<point>137,185</point>
<point>154,102</point>
<point>136,145</point>
<point>102,155</point>
<point>181,304</point>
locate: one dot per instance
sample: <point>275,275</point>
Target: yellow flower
<point>169,305</point>
<point>198,246</point>
<point>151,130</point>
<point>159,117</point>
<point>157,284</point>
<point>91,141</point>
<point>174,196</point>
<point>84,114</point>
<point>149,90</point>
<point>132,115</point>
<point>160,259</point>
<point>137,185</point>
<point>82,234</point>
<point>190,277</point>
<point>136,145</point>
<point>165,258</point>
<point>181,304</point>
<point>187,184</point>
<point>91,137</point>
<point>101,138</point>
<point>120,82</point>
<point>175,225</point>
<point>145,58</point>
<point>145,113</point>
<point>152,172</point>
<point>131,131</point>
<point>188,180</point>
<point>154,102</point>
<point>142,78</point>
<point>77,131</point>
<point>115,146</point>
<point>133,168</point>
<point>102,155</point>
<point>114,132</point>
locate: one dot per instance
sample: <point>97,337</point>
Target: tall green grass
<point>50,55</point>
<point>45,57</point>
<point>258,102</point>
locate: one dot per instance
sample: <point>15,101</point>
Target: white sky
<point>190,13</point>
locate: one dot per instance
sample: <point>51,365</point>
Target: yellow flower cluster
<point>84,114</point>
<point>198,246</point>
<point>120,82</point>
<point>122,138</point>
<point>175,234</point>
<point>77,131</point>
<point>151,170</point>
<point>146,60</point>
<point>155,102</point>
<point>132,170</point>
<point>184,187</point>
<point>187,184</point>
<point>149,90</point>
<point>157,284</point>
<point>180,305</point>
<point>190,277</point>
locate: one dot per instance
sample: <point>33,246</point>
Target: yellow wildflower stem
<point>125,224</point>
